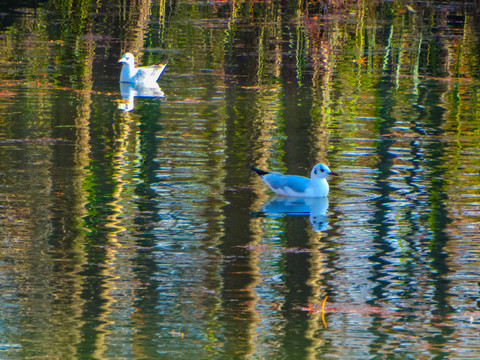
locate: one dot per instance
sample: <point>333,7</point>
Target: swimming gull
<point>144,75</point>
<point>298,186</point>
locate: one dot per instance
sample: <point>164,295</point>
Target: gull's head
<point>128,58</point>
<point>321,171</point>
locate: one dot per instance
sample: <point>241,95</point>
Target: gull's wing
<point>279,182</point>
<point>147,74</point>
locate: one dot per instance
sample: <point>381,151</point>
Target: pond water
<point>133,228</point>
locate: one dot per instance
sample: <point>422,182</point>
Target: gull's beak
<point>333,173</point>
<point>122,60</point>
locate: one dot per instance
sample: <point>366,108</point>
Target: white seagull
<point>298,186</point>
<point>145,75</point>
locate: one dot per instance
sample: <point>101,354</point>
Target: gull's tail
<point>162,63</point>
<point>258,171</point>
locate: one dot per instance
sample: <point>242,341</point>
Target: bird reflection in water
<point>316,208</point>
<point>130,91</point>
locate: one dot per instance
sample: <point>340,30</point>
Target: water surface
<point>143,234</point>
